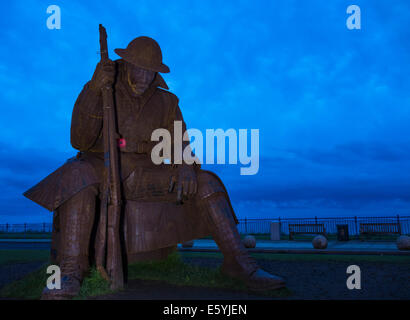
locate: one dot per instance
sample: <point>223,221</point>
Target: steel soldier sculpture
<point>162,205</point>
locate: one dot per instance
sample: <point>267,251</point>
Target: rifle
<point>108,245</point>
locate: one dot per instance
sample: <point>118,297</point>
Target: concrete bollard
<point>319,242</point>
<point>249,242</point>
<point>403,243</point>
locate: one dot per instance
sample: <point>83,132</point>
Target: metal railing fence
<point>255,225</point>
<point>262,226</point>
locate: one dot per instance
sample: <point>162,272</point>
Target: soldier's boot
<point>76,222</point>
<point>237,262</point>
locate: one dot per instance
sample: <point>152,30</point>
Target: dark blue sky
<point>332,104</point>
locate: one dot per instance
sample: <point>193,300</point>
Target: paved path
<point>282,246</point>
<point>285,246</point>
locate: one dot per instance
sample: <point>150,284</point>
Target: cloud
<point>20,169</point>
<point>355,176</point>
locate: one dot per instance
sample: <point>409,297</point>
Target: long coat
<point>153,220</point>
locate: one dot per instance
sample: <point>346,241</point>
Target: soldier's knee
<point>83,201</point>
<point>63,184</point>
<point>212,194</point>
<point>209,184</point>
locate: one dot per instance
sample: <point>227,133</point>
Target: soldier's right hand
<point>104,75</point>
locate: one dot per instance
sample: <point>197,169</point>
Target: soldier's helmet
<point>145,53</point>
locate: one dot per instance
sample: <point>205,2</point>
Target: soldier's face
<point>139,79</point>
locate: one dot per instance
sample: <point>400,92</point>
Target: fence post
<point>7,227</point>
<point>246,226</point>
<point>280,226</point>
<point>25,227</point>
<point>44,227</point>
<point>355,225</point>
<point>398,224</point>
<point>315,220</point>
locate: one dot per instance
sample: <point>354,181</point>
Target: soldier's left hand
<point>187,184</point>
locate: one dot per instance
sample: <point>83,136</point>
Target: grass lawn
<point>21,256</point>
<point>175,271</point>
<point>172,270</point>
<point>22,235</point>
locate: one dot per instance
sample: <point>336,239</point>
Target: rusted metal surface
<point>144,52</point>
<point>62,184</point>
<point>158,209</point>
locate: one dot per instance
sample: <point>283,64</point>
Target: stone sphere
<point>319,242</point>
<point>403,243</point>
<point>249,242</point>
<point>188,244</point>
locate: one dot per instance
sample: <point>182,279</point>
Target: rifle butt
<point>114,264</point>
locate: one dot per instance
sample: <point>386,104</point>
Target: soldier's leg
<point>76,223</point>
<point>237,262</point>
